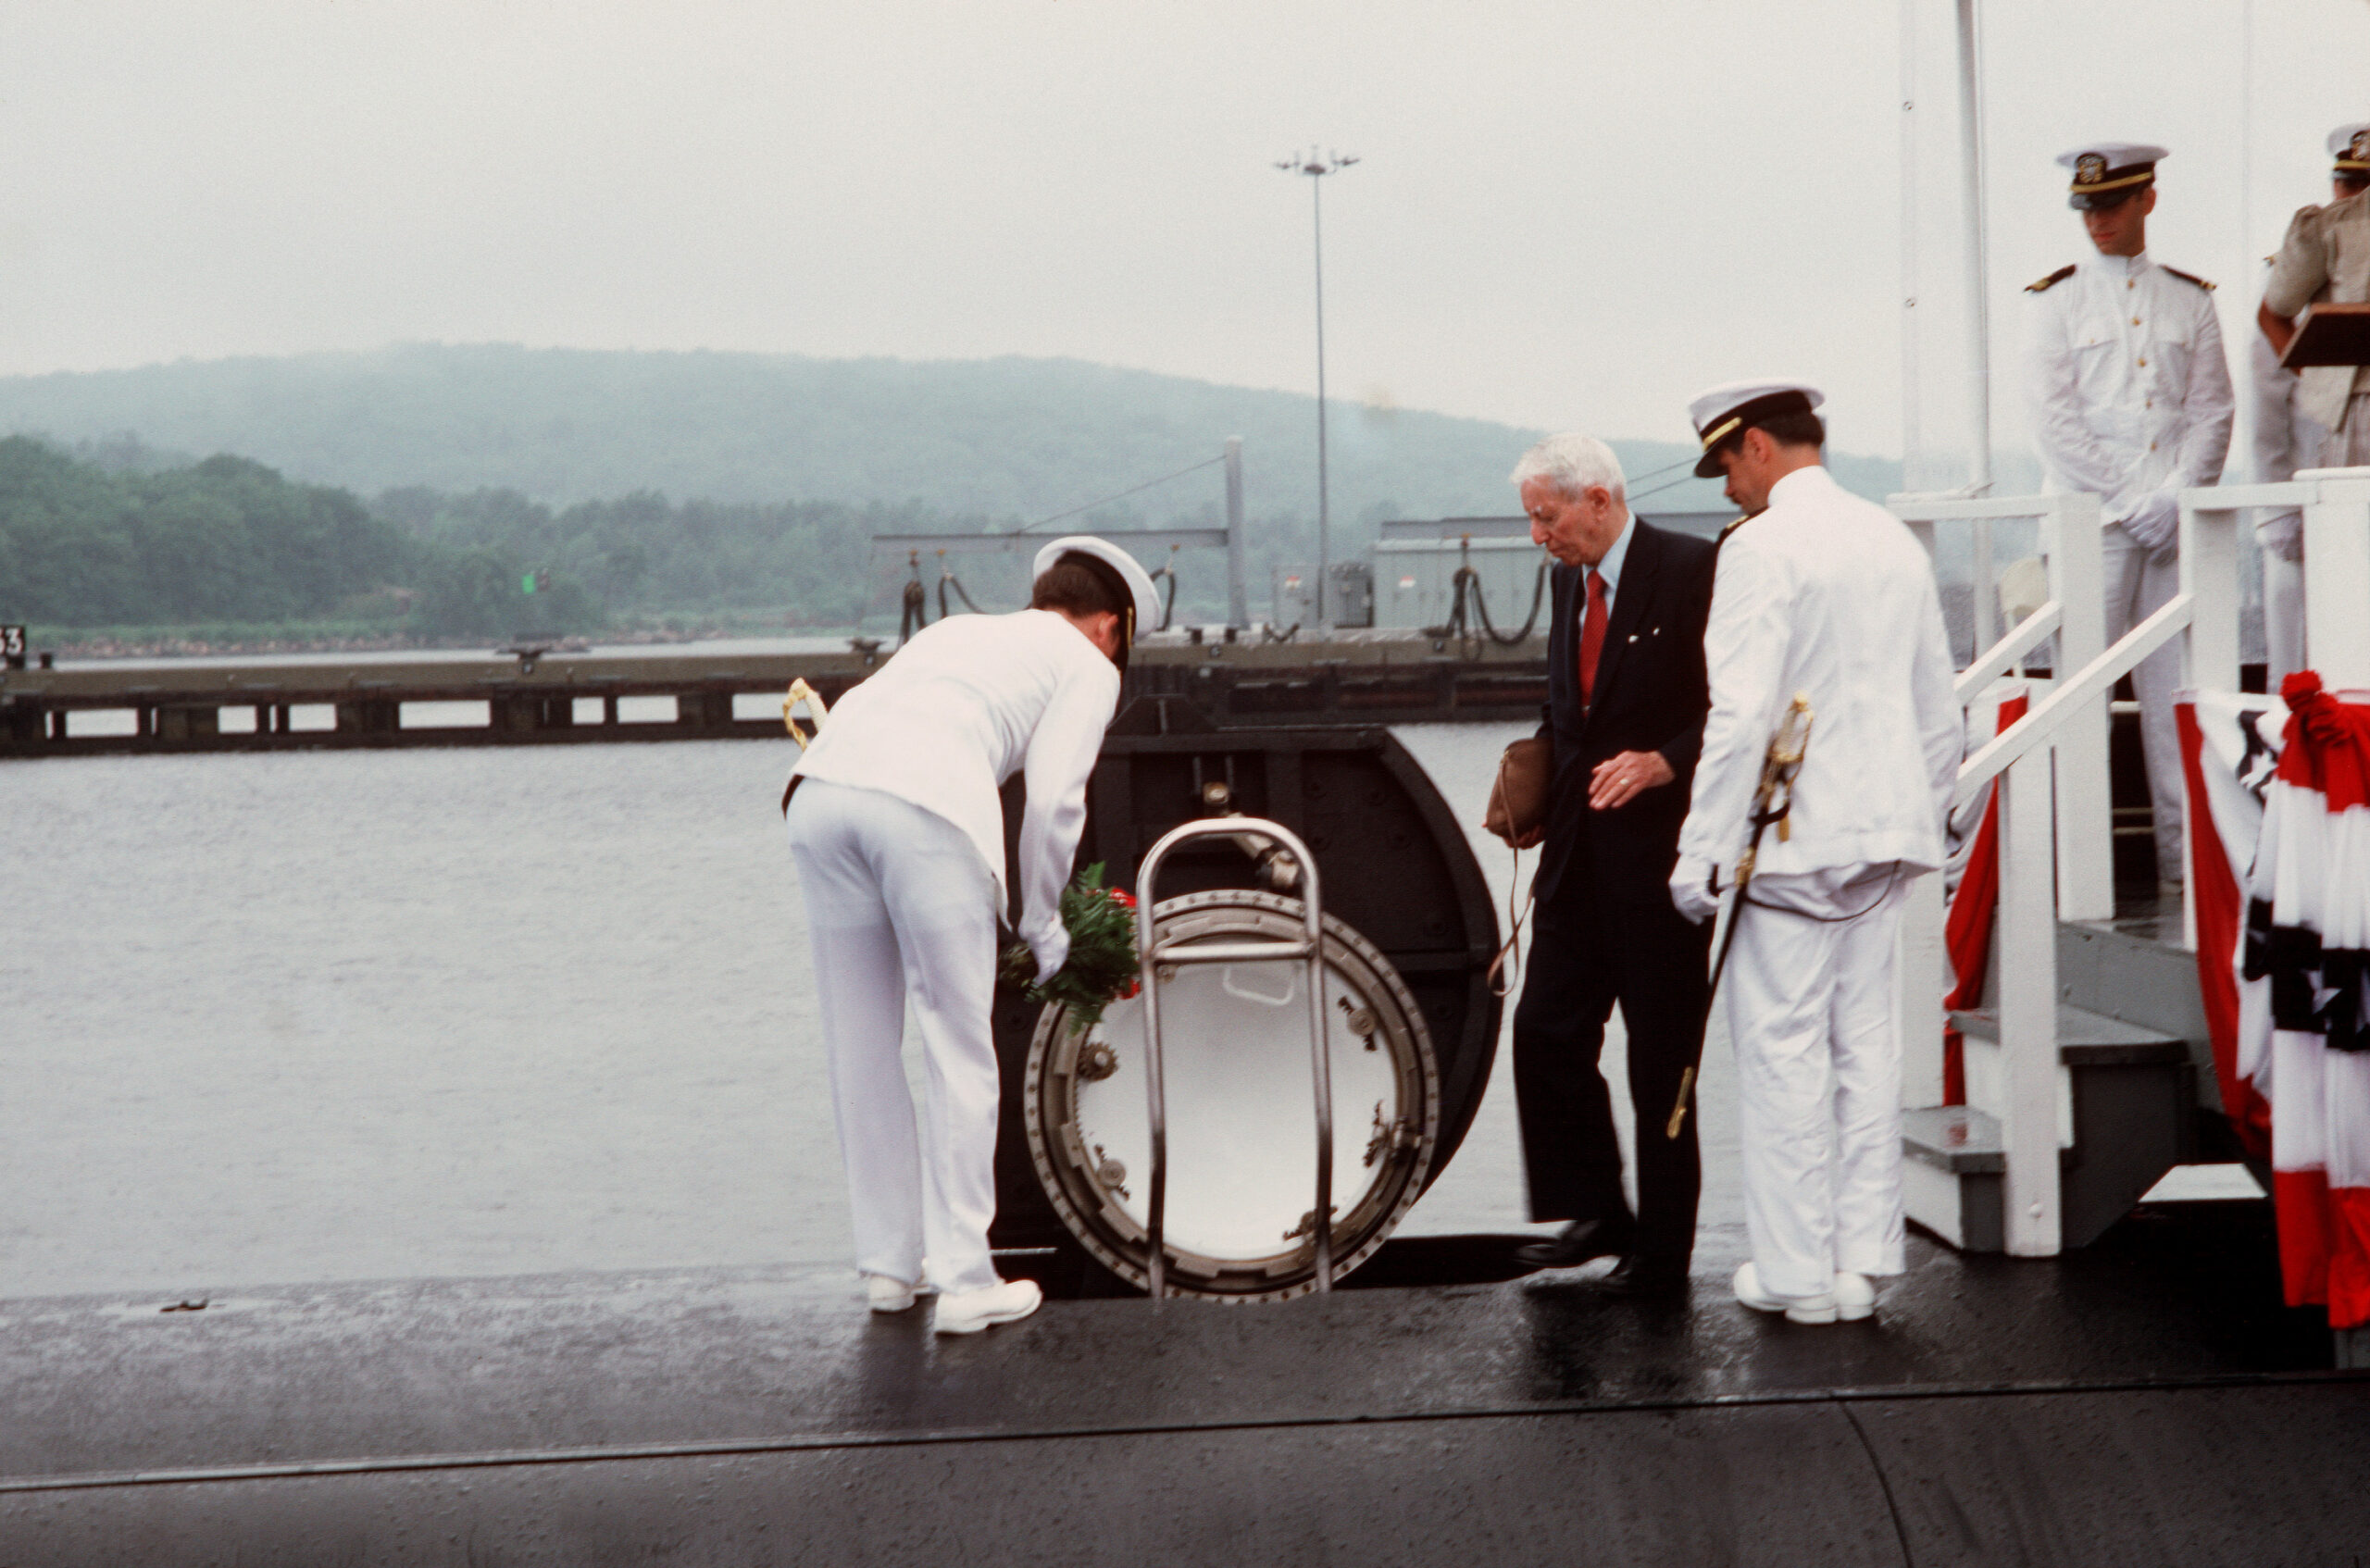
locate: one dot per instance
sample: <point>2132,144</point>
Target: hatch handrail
<point>1153,955</point>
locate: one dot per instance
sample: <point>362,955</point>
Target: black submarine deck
<point>2146,1401</point>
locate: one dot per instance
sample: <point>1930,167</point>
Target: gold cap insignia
<point>2089,169</point>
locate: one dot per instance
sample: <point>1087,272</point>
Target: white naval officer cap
<point>2350,144</point>
<point>2108,173</point>
<point>1109,561</point>
<point>1722,413</point>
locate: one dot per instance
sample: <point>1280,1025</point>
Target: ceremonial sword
<point>1773,801</point>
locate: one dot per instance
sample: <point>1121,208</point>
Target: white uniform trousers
<point>1809,990</point>
<point>2138,586</point>
<point>900,906</point>
<point>2283,581</point>
<point>2348,446</point>
<point>2282,618</point>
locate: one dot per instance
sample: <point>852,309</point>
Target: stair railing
<point>2335,502</point>
<point>2049,767</point>
<point>2074,614</point>
<point>2204,616</point>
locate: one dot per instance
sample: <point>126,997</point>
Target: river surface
<point>309,1017</point>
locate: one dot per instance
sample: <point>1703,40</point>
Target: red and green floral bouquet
<point>1102,967</point>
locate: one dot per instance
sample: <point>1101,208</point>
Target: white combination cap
<point>1721,414</point>
<point>1137,581</point>
<point>2350,144</point>
<point>2108,172</point>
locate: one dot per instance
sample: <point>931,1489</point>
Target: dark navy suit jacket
<point>1650,696</point>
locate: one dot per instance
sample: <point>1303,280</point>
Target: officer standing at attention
<point>2287,437</point>
<point>2131,403</point>
<point>1829,597</point>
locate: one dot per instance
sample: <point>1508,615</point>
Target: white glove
<point>2155,521</point>
<point>2283,535</point>
<point>1052,949</point>
<point>1691,889</point>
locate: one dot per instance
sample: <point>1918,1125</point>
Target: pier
<point>537,696</point>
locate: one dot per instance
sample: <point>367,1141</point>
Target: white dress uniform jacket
<point>960,708</point>
<point>1827,595</point>
<point>2131,395</point>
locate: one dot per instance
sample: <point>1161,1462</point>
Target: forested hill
<point>1001,439</point>
<point>230,545</point>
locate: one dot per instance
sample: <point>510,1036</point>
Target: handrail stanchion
<point>2209,546</point>
<point>2337,546</point>
<point>2027,939</point>
<point>1151,957</point>
<point>2085,796</point>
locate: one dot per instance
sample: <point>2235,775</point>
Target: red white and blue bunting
<point>2281,875</point>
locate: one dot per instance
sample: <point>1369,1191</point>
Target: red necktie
<point>1591,637</point>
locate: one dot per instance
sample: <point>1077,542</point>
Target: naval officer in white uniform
<point>2131,402</point>
<point>1830,597</point>
<point>898,832</point>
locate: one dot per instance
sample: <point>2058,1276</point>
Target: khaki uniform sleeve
<point>2301,268</point>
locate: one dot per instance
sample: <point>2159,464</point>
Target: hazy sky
<point>1569,214</point>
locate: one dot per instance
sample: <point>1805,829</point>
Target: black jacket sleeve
<point>1694,588</point>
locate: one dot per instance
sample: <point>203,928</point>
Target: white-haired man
<point>2291,409</point>
<point>898,830</point>
<point>1829,597</point>
<point>2131,403</point>
<point>1625,716</point>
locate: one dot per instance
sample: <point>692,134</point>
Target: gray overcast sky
<point>1568,213</point>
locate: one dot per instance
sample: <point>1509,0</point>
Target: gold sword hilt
<point>1787,749</point>
<point>1773,802</point>
<point>1678,1110</point>
<point>816,711</point>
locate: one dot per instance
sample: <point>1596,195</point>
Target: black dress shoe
<point>1639,1274</point>
<point>1576,1244</point>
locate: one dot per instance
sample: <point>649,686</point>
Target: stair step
<point>2087,1039</point>
<point>1957,1138</point>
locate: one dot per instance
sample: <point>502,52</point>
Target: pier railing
<point>562,697</point>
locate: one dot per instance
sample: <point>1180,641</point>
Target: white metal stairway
<point>2084,1073</point>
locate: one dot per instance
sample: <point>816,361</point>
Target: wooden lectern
<point>2329,334</point>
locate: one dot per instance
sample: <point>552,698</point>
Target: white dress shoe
<point>889,1294</point>
<point>1855,1296</point>
<point>968,1312</point>
<point>1798,1309</point>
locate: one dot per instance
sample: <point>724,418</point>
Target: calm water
<point>301,1018</point>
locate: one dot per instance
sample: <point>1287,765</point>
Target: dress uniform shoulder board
<point>2190,278</point>
<point>2059,276</point>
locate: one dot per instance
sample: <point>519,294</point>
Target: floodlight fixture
<point>1316,165</point>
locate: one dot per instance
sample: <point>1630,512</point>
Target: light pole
<point>1316,165</point>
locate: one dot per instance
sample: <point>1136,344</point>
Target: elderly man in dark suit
<point>1626,702</point>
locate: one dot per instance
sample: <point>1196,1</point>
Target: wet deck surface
<point>2149,1399</point>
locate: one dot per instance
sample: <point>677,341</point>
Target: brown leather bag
<point>1519,799</point>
